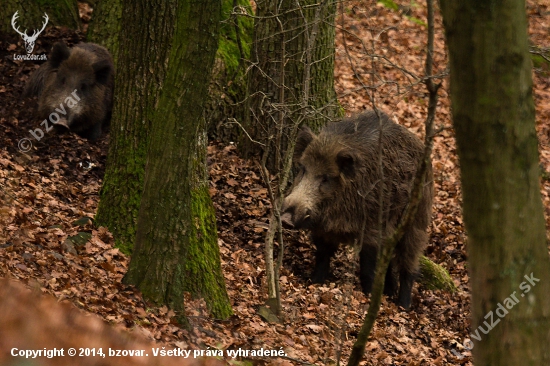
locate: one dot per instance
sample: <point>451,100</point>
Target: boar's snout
<point>286,220</point>
<point>293,219</point>
<point>63,123</point>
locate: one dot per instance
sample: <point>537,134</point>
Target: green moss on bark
<point>228,85</point>
<point>435,277</point>
<point>136,93</point>
<point>122,188</point>
<point>104,28</point>
<point>228,46</point>
<point>202,262</point>
<point>176,244</point>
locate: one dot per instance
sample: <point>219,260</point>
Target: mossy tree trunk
<point>104,28</point>
<point>31,12</point>
<point>288,38</point>
<point>494,118</point>
<point>228,85</point>
<point>140,68</point>
<point>176,246</point>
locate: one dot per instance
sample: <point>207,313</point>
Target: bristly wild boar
<point>336,196</point>
<point>85,74</point>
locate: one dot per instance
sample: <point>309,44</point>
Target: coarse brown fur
<point>336,195</point>
<point>86,70</point>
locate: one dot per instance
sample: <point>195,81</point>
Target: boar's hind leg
<point>408,252</point>
<point>325,251</point>
<point>406,280</point>
<point>367,269</point>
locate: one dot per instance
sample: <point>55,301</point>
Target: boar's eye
<point>83,87</point>
<point>62,80</point>
<point>325,178</point>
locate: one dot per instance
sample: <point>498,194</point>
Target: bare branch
<point>542,52</point>
<point>234,121</point>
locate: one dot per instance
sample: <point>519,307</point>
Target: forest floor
<point>47,191</point>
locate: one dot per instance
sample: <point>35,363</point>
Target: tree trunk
<point>228,86</point>
<point>283,46</point>
<point>104,28</point>
<point>494,118</point>
<point>140,68</point>
<point>31,12</point>
<point>176,246</point>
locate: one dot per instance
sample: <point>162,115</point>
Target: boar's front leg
<point>325,251</point>
<point>367,271</point>
<point>92,133</point>
<point>367,267</point>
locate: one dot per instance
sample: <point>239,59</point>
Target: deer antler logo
<point>29,40</point>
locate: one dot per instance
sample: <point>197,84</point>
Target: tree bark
<point>277,81</point>
<point>176,246</point>
<point>31,12</point>
<point>228,86</point>
<point>494,118</point>
<point>141,67</point>
<point>104,29</point>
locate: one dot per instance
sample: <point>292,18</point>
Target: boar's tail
<point>35,85</point>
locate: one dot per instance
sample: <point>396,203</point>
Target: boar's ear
<point>305,136</point>
<point>60,52</point>
<point>102,71</point>
<point>347,163</point>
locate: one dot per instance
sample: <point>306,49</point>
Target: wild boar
<point>85,75</point>
<point>336,196</point>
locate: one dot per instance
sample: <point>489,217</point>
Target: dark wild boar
<point>85,74</point>
<point>336,196</point>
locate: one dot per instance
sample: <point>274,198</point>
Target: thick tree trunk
<point>104,28</point>
<point>283,47</point>
<point>31,14</point>
<point>494,118</point>
<point>140,68</point>
<point>176,247</point>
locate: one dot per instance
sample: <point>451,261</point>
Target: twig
<point>234,121</point>
<point>542,52</point>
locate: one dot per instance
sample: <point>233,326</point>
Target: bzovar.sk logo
<point>29,40</point>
